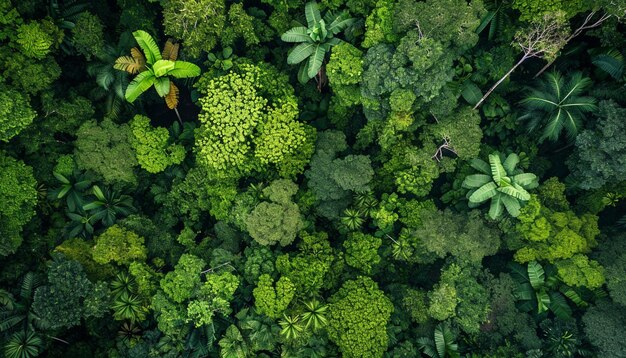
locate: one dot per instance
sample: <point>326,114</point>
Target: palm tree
<point>23,345</point>
<point>501,182</point>
<point>443,345</point>
<point>315,39</point>
<point>154,68</point>
<point>556,104</point>
<point>314,314</point>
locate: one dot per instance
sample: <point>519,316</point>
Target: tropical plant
<point>611,62</point>
<point>556,104</point>
<point>72,189</point>
<point>315,39</point>
<point>314,314</point>
<point>111,83</point>
<point>352,219</point>
<point>23,345</point>
<point>291,326</point>
<point>443,344</point>
<point>154,68</point>
<point>129,307</point>
<point>109,204</point>
<point>81,224</point>
<point>501,182</point>
<point>537,290</point>
<point>16,314</point>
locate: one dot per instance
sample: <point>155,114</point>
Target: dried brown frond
<point>171,99</point>
<point>170,51</point>
<point>138,56</point>
<point>128,64</point>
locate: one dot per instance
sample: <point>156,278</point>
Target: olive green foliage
<point>152,146</point>
<point>362,251</point>
<point>29,76</point>
<point>249,124</point>
<point>181,283</point>
<point>277,221</point>
<point>15,114</point>
<point>532,9</point>
<point>198,23</point>
<point>361,308</point>
<point>578,270</point>
<point>103,148</point>
<point>599,155</point>
<point>333,179</point>
<point>37,39</point>
<point>19,197</point>
<point>501,182</point>
<point>240,25</point>
<point>612,256</point>
<point>118,245</point>
<point>272,299</point>
<point>69,295</point>
<point>443,233</point>
<point>344,71</point>
<point>310,269</point>
<point>88,35</point>
<point>379,24</point>
<point>603,324</point>
<point>459,295</point>
<point>553,235</point>
<point>461,130</point>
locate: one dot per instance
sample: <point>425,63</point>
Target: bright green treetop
<point>152,146</point>
<point>15,113</point>
<point>19,197</point>
<point>273,299</point>
<point>361,308</point>
<point>119,245</point>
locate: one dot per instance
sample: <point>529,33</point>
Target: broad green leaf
<point>559,306</point>
<point>340,23</point>
<point>315,62</point>
<point>524,292</point>
<point>573,296</point>
<point>440,341</point>
<point>296,34</point>
<point>139,85</point>
<point>63,191</point>
<point>543,301</point>
<point>512,205</point>
<point>536,274</point>
<point>484,193</point>
<point>300,53</point>
<point>61,178</point>
<point>495,208</point>
<point>92,205</point>
<point>476,181</point>
<point>510,163</point>
<point>162,86</point>
<point>148,45</point>
<point>162,67</point>
<point>497,170</point>
<point>98,193</point>
<point>485,21</point>
<point>302,75</point>
<point>515,192</point>
<point>481,166</point>
<point>183,69</point>
<point>312,13</point>
<point>471,93</point>
<point>526,180</point>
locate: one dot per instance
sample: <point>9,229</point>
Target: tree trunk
<point>524,58</point>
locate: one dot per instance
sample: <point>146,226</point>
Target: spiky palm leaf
<point>23,345</point>
<point>557,104</point>
<point>314,315</point>
<point>611,62</point>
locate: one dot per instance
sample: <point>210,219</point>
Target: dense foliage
<point>340,178</point>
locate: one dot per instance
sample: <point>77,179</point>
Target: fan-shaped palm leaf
<point>557,104</point>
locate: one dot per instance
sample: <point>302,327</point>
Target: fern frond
<point>128,64</point>
<point>171,99</point>
<point>170,50</point>
<point>138,56</point>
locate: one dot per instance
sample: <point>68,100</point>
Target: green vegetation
<point>331,178</point>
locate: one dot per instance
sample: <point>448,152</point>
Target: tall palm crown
<point>556,104</point>
<point>315,39</point>
<point>154,68</point>
<point>501,182</point>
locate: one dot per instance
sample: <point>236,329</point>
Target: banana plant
<point>538,290</point>
<point>501,182</point>
<point>154,68</point>
<point>315,39</point>
<point>443,344</point>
